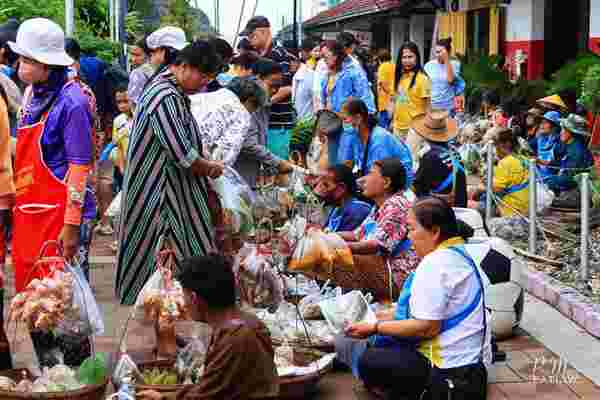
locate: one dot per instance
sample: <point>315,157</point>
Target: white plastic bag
<point>545,197</point>
<point>348,309</point>
<point>84,317</point>
<point>114,210</point>
<point>237,200</point>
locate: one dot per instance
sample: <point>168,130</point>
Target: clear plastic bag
<point>259,282</point>
<point>318,253</point>
<point>545,197</point>
<point>309,305</point>
<point>237,200</point>
<point>350,308</point>
<point>114,210</point>
<point>189,363</point>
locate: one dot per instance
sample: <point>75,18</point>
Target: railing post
<point>532,206</point>
<point>585,226</point>
<point>489,191</point>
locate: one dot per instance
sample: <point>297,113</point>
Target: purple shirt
<point>67,138</point>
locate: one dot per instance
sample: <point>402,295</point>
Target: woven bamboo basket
<point>89,392</point>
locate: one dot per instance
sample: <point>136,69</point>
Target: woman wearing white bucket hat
<point>52,165</point>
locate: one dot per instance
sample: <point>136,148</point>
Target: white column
<point>399,32</point>
<point>69,17</point>
<point>417,32</point>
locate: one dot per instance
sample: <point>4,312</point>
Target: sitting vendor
<point>368,142</point>
<point>547,139</point>
<point>240,360</point>
<point>441,171</point>
<point>511,177</point>
<point>381,241</point>
<point>337,187</point>
<point>571,156</point>
<point>444,340</point>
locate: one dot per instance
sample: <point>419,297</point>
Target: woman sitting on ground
<point>381,241</point>
<point>444,337</point>
<point>239,363</point>
<point>511,177</point>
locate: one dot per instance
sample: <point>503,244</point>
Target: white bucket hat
<point>43,41</point>
<point>169,36</point>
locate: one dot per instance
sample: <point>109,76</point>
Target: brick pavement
<point>530,372</point>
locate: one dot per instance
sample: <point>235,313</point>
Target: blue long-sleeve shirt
<point>442,91</point>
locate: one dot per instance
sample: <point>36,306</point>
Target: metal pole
<point>585,225</point>
<point>295,27</point>
<point>532,206</point>
<point>300,19</point>
<point>239,25</point>
<point>70,17</point>
<point>489,182</point>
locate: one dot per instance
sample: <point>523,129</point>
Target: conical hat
<point>552,101</point>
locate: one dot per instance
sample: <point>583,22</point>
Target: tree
<point>181,14</point>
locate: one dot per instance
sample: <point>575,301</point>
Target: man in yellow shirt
<point>385,86</point>
<point>413,94</point>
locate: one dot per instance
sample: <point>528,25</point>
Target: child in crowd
<point>120,143</point>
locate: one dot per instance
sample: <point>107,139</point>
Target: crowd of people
<point>192,109</point>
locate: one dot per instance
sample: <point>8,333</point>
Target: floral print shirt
<point>224,124</point>
<point>388,226</point>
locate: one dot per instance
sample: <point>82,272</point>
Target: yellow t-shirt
<point>386,74</point>
<point>509,172</point>
<point>410,102</point>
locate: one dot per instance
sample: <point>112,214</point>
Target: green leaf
<point>93,370</point>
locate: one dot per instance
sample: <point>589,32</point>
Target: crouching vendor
<point>337,188</point>
<point>571,156</point>
<point>53,199</point>
<point>380,245</point>
<point>239,363</point>
<point>437,338</point>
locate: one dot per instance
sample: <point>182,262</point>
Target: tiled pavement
<point>530,372</point>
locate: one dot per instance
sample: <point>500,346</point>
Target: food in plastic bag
<point>62,301</point>
<point>545,197</point>
<point>190,362</point>
<point>162,300</point>
<point>125,368</point>
<point>258,281</point>
<point>236,200</point>
<point>284,356</point>
<point>340,311</point>
<point>318,253</point>
<point>7,384</point>
<point>309,305</point>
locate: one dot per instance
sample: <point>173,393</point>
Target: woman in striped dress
<point>165,188</point>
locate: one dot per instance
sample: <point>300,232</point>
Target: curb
<point>568,301</point>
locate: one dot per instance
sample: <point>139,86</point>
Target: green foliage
<point>93,370</point>
<point>25,9</point>
<point>590,89</point>
<point>181,14</point>
<point>571,75</point>
<point>134,25</point>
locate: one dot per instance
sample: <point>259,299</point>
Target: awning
<point>356,8</point>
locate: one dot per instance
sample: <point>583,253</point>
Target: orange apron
<point>40,204</point>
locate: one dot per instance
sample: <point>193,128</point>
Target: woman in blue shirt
<point>345,80</point>
<point>367,143</point>
<point>547,139</point>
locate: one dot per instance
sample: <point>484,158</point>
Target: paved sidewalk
<point>533,370</point>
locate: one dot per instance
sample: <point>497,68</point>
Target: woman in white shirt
<point>437,338</point>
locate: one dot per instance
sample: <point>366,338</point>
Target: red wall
<point>594,45</point>
<point>534,49</point>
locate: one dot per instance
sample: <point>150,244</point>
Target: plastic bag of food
<point>190,362</point>
<point>259,283</point>
<point>340,311</point>
<point>114,210</point>
<point>236,200</point>
<point>83,317</point>
<point>545,197</point>
<point>309,305</point>
<point>309,255</point>
<point>339,252</point>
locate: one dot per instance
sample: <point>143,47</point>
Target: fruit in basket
<point>156,376</point>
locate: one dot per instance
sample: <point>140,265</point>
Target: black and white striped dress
<point>161,195</point>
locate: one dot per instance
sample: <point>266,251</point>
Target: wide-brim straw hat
<point>42,40</point>
<point>553,101</point>
<point>435,126</point>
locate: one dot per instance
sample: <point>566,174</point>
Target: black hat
<point>255,23</point>
<point>346,39</point>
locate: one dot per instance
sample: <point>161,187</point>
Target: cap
<point>43,41</point>
<point>169,36</point>
<point>255,23</point>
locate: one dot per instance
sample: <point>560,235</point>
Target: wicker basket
<point>89,392</point>
<point>291,388</point>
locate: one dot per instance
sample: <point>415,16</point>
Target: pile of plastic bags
<point>237,200</point>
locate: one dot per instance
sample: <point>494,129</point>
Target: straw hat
<point>43,41</point>
<point>553,101</point>
<point>435,126</point>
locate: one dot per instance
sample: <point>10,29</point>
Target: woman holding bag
<point>52,165</point>
<point>437,339</point>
